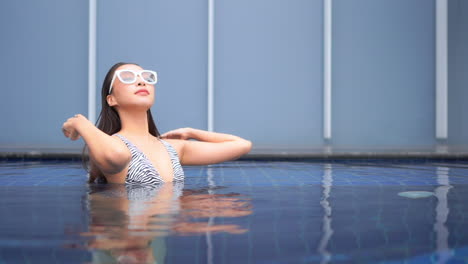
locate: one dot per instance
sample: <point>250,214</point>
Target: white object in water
<point>416,194</point>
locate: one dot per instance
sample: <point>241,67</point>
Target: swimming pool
<point>330,211</point>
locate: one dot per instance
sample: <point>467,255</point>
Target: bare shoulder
<point>178,144</point>
<point>118,142</point>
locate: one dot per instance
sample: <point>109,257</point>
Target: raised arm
<point>108,153</point>
<point>209,147</point>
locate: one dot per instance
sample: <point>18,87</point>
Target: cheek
<point>153,92</point>
<point>153,97</point>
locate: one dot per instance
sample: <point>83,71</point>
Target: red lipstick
<point>142,91</point>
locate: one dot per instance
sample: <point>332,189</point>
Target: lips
<point>142,91</point>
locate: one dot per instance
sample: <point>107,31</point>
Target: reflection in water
<point>128,223</point>
<point>326,226</point>
<point>442,233</point>
<point>209,241</point>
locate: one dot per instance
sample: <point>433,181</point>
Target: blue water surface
<point>340,211</point>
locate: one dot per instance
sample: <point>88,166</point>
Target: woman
<point>126,146</point>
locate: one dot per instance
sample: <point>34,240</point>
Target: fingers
<point>75,135</point>
<point>180,133</point>
<point>72,134</point>
<point>65,132</point>
<point>170,135</point>
<point>68,128</point>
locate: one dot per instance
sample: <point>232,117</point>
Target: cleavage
<point>163,171</point>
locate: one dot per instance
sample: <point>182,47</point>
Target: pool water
<point>341,211</point>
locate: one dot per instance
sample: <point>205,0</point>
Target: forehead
<point>130,67</point>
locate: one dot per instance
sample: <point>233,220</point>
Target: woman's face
<point>138,94</point>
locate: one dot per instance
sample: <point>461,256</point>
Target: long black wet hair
<point>108,121</point>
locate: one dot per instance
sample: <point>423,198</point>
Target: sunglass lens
<point>127,76</point>
<point>149,77</point>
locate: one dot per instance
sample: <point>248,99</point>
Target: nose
<point>140,81</point>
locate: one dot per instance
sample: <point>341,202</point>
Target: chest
<point>151,162</point>
<point>159,157</point>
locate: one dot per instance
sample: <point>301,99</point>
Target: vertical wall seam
<point>441,70</point>
<point>92,62</point>
<point>327,68</point>
<point>210,65</point>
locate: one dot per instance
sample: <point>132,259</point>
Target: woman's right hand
<point>108,153</point>
<point>69,128</point>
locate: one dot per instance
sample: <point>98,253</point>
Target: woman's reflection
<point>128,223</point>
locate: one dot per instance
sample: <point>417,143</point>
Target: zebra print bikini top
<point>140,169</point>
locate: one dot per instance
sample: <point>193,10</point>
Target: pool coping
<point>266,156</point>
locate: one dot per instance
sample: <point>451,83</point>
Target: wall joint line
<point>441,70</point>
<point>327,69</point>
<point>92,62</point>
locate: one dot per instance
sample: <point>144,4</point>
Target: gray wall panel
<point>458,72</point>
<point>383,73</point>
<point>268,71</point>
<point>44,51</point>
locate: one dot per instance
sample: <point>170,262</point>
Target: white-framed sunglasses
<point>130,76</point>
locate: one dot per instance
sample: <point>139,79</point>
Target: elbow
<point>118,159</point>
<point>246,146</point>
<point>114,161</point>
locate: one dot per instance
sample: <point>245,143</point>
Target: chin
<point>145,101</point>
<point>141,106</point>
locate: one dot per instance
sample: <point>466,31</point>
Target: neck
<point>134,123</point>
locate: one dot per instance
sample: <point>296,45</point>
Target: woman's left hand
<point>181,133</point>
<point>207,147</point>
